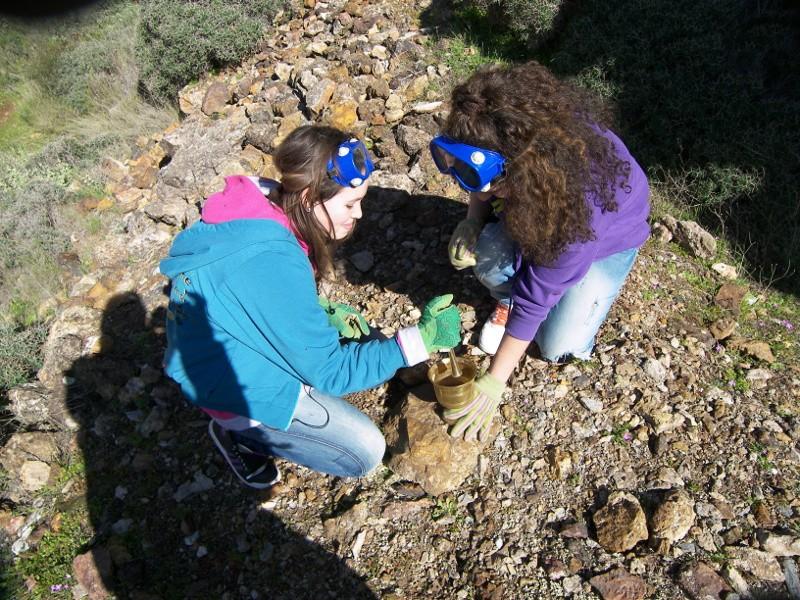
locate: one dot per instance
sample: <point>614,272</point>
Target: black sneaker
<point>254,470</point>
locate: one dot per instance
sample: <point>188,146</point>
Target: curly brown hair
<point>549,132</point>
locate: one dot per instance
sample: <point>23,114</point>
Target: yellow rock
<point>289,124</point>
<point>342,115</point>
<point>105,204</point>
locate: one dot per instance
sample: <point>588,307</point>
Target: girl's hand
<point>347,320</point>
<point>475,419</point>
<point>462,243</point>
<point>440,325</point>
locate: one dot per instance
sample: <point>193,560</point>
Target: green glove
<point>476,417</point>
<point>462,243</point>
<point>347,320</point>
<point>440,325</point>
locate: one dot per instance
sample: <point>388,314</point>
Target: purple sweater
<point>537,289</point>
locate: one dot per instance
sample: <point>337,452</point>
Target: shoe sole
<point>221,448</point>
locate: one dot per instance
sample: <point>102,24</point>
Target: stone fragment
<point>404,509</point>
<point>288,124</point>
<point>411,139</point>
<point>655,369</point>
<point>559,461</point>
<point>34,406</point>
<point>342,115</point>
<point>421,448</point>
<point>701,582</point>
<point>759,564</point>
<point>144,171</point>
<point>730,296</point>
<point>672,518</point>
<point>661,233</point>
<point>725,271</point>
<point>618,584</point>
<point>792,578</point>
<point>216,98</point>
<point>344,527</point>
<point>319,96</point>
<point>723,328</point>
<point>363,260</point>
<point>696,239</point>
<point>621,523</point>
<point>416,88</point>
<point>91,569</point>
<point>756,349</point>
<point>779,544</point>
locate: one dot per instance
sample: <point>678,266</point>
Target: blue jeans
<point>571,325</point>
<point>327,434</point>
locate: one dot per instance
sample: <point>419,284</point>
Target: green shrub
<point>532,21</point>
<point>20,353</point>
<point>180,39</point>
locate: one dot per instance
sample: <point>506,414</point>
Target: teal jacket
<point>244,326</point>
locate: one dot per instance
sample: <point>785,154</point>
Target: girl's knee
<point>373,448</point>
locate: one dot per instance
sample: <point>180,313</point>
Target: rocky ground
<point>665,467</point>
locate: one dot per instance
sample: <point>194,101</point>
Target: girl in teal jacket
<point>250,341</point>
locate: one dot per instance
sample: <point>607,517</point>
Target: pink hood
<point>243,199</point>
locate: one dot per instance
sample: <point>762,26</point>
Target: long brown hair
<point>556,157</point>
<point>302,159</point>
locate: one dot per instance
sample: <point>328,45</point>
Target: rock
<point>792,579</point>
<point>661,233</point>
<point>144,171</point>
<point>592,404</point>
<point>343,527</point>
<point>574,531</point>
<point>91,569</point>
<point>411,139</point>
<point>756,349</point>
<point>200,483</point>
<point>261,136</point>
<point>777,544</point>
<point>560,462</point>
<point>555,568</point>
<point>730,296</point>
<point>759,564</point>
<point>701,582</point>
<point>621,523</point>
<point>723,328</point>
<point>618,584</point>
<point>319,96</point>
<point>26,458</point>
<point>655,370</point>
<point>342,115</point>
<point>172,211</point>
<point>402,510</point>
<point>217,97</point>
<point>737,582</point>
<point>758,377</point>
<point>696,239</point>
<point>190,98</point>
<point>427,107</point>
<point>35,407</point>
<point>363,260</point>
<point>421,448</point>
<point>415,88</point>
<point>725,271</point>
<point>672,518</point>
<point>287,126</point>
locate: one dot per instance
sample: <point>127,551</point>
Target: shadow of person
<point>405,237</point>
<point>168,520</point>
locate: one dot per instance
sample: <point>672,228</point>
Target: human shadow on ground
<point>707,97</point>
<point>169,519</point>
<point>407,236</point>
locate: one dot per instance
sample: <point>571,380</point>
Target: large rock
<point>779,545</point>
<point>319,96</point>
<point>421,448</point>
<point>618,584</point>
<point>411,139</point>
<point>621,523</point>
<point>701,582</point>
<point>759,564</point>
<point>36,407</point>
<point>91,570</point>
<point>27,459</point>
<point>217,97</point>
<point>672,518</point>
<point>695,239</point>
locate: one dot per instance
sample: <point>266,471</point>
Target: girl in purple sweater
<point>557,212</point>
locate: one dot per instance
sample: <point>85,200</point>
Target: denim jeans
<point>327,434</point>
<point>571,325</point>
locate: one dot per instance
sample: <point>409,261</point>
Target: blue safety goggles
<point>350,165</point>
<point>473,168</point>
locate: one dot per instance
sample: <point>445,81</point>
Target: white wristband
<point>412,346</point>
